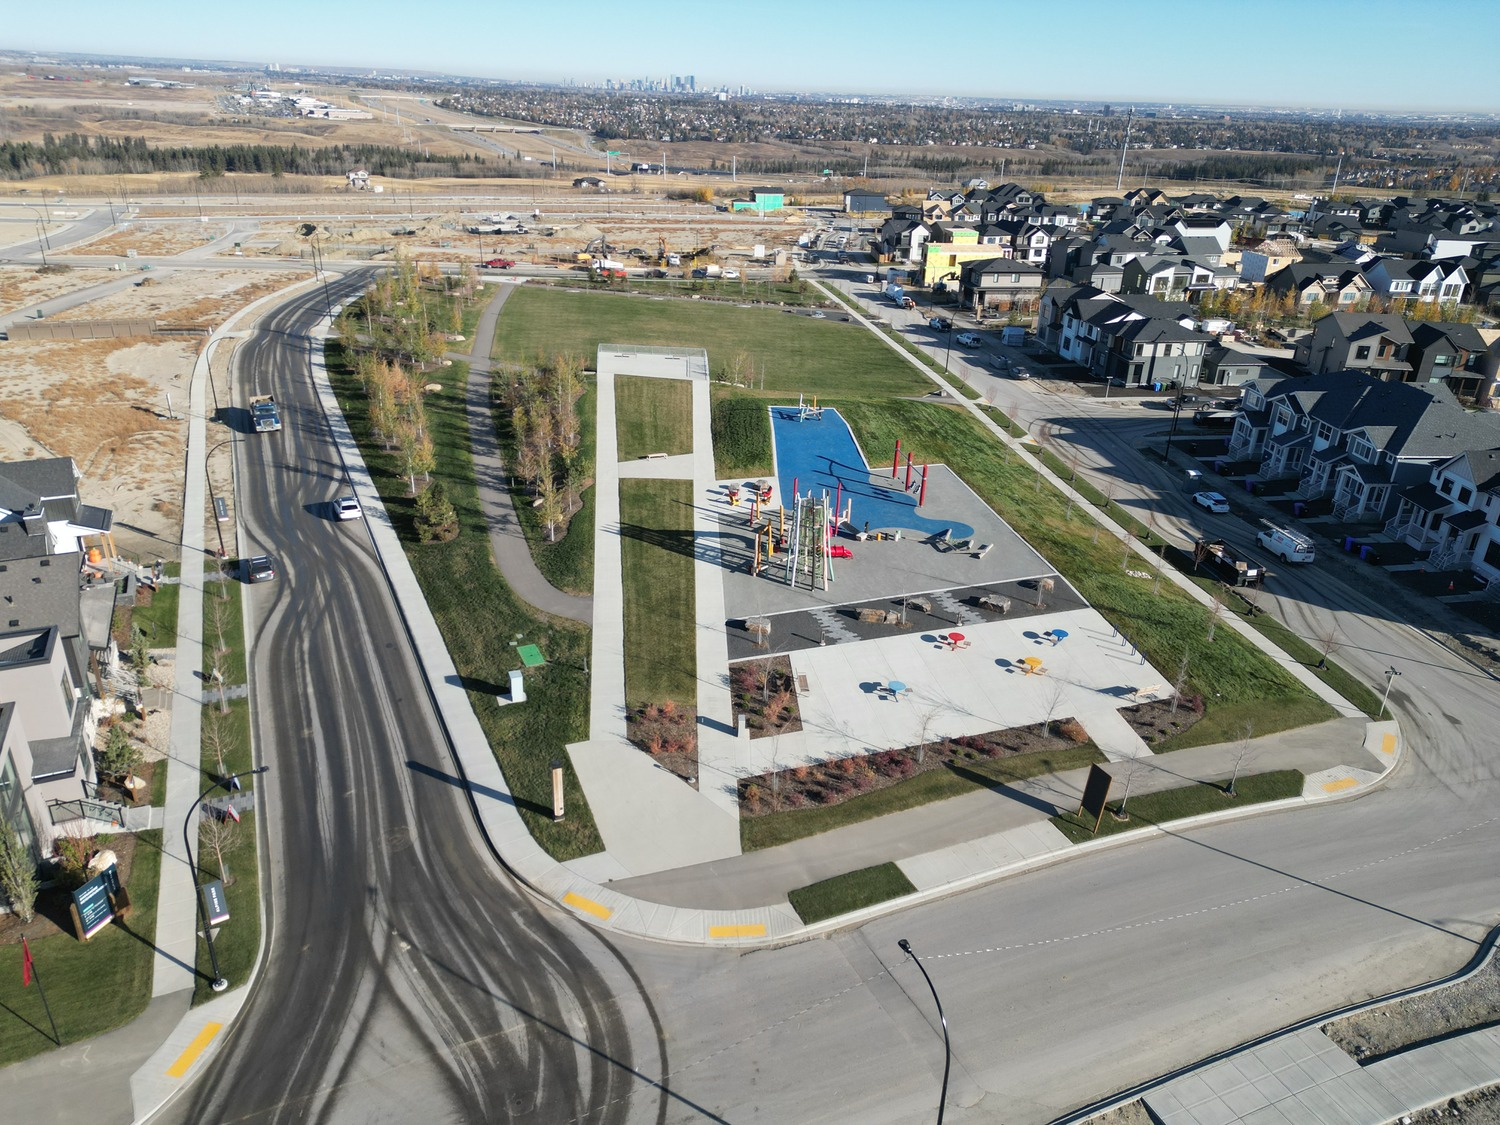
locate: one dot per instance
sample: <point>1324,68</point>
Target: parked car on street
<point>346,508</point>
<point>731,275</point>
<point>260,568</point>
<point>941,323</point>
<point>1213,501</point>
<point>1019,373</point>
<point>969,339</point>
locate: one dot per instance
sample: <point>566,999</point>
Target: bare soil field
<point>196,297</point>
<point>153,239</point>
<point>23,290</point>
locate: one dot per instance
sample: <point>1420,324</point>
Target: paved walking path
<point>507,540</point>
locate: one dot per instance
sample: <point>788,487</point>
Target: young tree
<point>1244,754</point>
<point>550,509</point>
<point>220,738</point>
<point>119,755</point>
<point>17,874</point>
<point>218,833</point>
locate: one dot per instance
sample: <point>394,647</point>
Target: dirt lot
<point>104,402</point>
<point>152,239</point>
<point>24,290</point>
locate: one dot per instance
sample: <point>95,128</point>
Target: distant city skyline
<point>1384,55</point>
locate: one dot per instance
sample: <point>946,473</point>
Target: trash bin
<point>1367,552</point>
<point>1349,543</point>
<point>1156,387</point>
<point>1297,508</point>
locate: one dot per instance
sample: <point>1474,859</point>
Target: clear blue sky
<point>1354,54</point>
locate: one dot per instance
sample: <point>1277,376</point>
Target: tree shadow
<point>1005,789</point>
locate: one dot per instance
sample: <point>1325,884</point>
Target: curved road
<point>407,979</point>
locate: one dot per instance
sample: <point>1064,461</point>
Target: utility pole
<point>1124,148</point>
<point>1338,169</point>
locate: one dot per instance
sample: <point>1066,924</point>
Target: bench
<point>802,688</point>
<point>982,550</point>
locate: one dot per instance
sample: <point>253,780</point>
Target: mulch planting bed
<point>52,905</point>
<point>1154,721</point>
<point>764,691</point>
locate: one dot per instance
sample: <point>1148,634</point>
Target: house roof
<point>1426,497</point>
<point>1464,336</point>
<point>1220,356</point>
<point>1484,468</point>
<point>1405,419</point>
<point>1466,521</point>
<point>37,592</point>
<point>1364,326</point>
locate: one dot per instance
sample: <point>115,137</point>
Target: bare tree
<point>1244,754</point>
<point>1133,769</point>
<point>1051,700</point>
<point>1178,684</point>
<point>219,833</point>
<point>929,718</point>
<point>1329,642</point>
<point>220,737</point>
<point>1215,611</point>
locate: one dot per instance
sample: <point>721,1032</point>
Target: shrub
<point>17,874</point>
<point>74,853</point>
<point>800,772</point>
<point>1073,731</point>
<point>436,520</point>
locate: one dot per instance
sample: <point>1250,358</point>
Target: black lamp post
<point>947,1049</point>
<point>1176,413</point>
<point>218,526</point>
<point>218,983</point>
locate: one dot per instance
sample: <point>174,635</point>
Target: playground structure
<point>907,487</point>
<point>806,410</point>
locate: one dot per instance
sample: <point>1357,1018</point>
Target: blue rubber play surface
<point>821,453</point>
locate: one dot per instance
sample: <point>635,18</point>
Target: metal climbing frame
<point>808,553</point>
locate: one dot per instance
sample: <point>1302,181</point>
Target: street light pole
<point>947,1049</point>
<point>217,983</point>
<point>1176,413</point>
<point>1390,677</point>
<point>219,527</point>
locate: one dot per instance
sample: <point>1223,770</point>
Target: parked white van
<point>1286,545</point>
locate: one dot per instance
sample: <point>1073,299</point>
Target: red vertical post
<point>922,496</point>
<point>794,490</point>
<point>908,472</point>
<point>838,503</point>
<point>896,461</point>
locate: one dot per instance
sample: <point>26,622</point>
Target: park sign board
<point>92,905</point>
<point>214,902</point>
<point>1095,794</point>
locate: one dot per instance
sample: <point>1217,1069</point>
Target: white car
<point>731,275</point>
<point>819,315</point>
<point>346,508</point>
<point>969,339</point>
<point>1213,501</point>
<point>1019,373</point>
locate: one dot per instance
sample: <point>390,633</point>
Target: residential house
<point>1132,340</point>
<point>857,202</point>
<point>902,240</point>
<point>1353,437</point>
<point>1260,261</point>
<point>1463,357</point>
<point>1454,514</point>
<point>1334,284</point>
<point>1001,285</point>
<point>943,262</point>
<point>1225,366</point>
<point>1373,343</point>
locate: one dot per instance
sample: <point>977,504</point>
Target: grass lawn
<point>793,353</point>
<point>653,416</point>
<point>479,616</point>
<point>224,628</point>
<point>238,939</point>
<point>656,522</point>
<point>92,986</point>
<point>853,891</point>
<point>158,621</point>
<point>1239,683</point>
<point>911,349</point>
<point>1146,809</point>
<point>934,785</point>
<point>771,292</point>
<point>742,435</point>
<point>569,562</point>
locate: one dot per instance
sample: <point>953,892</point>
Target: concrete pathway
<point>507,540</point>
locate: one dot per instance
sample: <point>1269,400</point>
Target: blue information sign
<point>93,905</point>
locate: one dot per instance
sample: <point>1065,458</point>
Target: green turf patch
<point>1143,810</point>
<point>853,891</point>
<point>158,621</point>
<point>653,416</point>
<point>237,941</point>
<point>954,780</point>
<point>742,435</point>
<point>788,353</point>
<point>479,617</point>
<point>656,557</point>
<point>224,629</point>
<point>92,986</point>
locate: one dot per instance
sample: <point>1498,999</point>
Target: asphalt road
<point>407,977</point>
<point>406,982</point>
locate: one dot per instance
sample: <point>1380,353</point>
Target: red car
<point>498,264</point>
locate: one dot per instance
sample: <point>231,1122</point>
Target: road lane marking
<point>588,906</point>
<point>1388,743</point>
<point>1341,783</point>
<point>749,929</point>
<point>194,1049</point>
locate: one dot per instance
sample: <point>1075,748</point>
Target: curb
<point>1480,959</point>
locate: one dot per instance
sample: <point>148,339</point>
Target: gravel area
<point>1482,1107</point>
<point>1393,1027</point>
